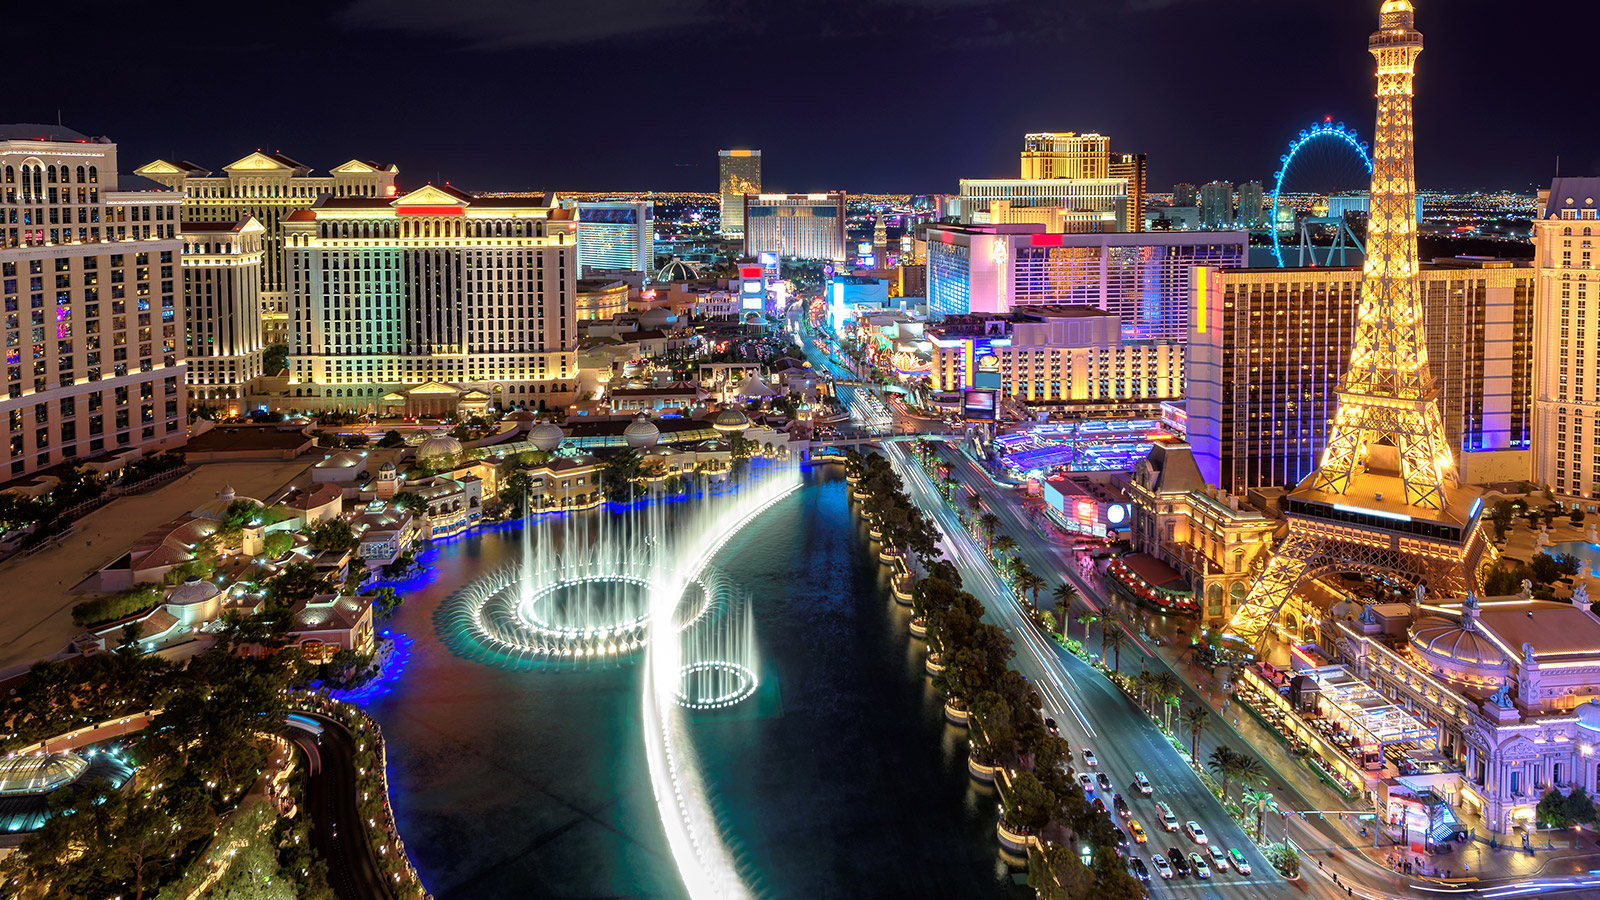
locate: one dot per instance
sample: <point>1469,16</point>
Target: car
<point>1240,864</point>
<point>1169,822</point>
<point>1218,857</point>
<point>1195,832</point>
<point>1180,865</point>
<point>1103,779</point>
<point>1201,870</point>
<point>1137,830</point>
<point>1098,805</point>
<point>1163,868</point>
<point>1121,806</point>
<point>1050,725</point>
<point>1142,784</point>
<point>1122,841</point>
<point>1138,869</point>
<point>1089,757</point>
<point>1087,780</point>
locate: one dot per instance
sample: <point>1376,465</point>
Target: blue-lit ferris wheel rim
<point>1319,130</point>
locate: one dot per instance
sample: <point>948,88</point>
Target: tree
<point>277,544</point>
<point>1030,583</point>
<point>1230,765</point>
<point>274,359</point>
<point>1065,595</point>
<point>1283,858</point>
<point>298,581</point>
<point>1056,873</point>
<point>384,601</point>
<point>408,500</point>
<point>1576,518</point>
<point>516,492</point>
<point>391,439</point>
<point>1500,581</point>
<point>1500,516</point>
<point>1544,568</point>
<point>1026,804</point>
<point>975,505</point>
<point>1556,811</point>
<point>989,523</point>
<point>1005,544</point>
<point>238,514</point>
<point>620,475</point>
<point>1116,638</point>
<point>1086,619</point>
<point>1195,718</point>
<point>333,535</point>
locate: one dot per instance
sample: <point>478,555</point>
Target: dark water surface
<point>839,780</point>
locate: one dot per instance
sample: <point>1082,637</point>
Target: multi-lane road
<point>1093,713</point>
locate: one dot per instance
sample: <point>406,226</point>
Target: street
<point>337,830</point>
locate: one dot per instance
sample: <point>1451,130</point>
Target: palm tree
<point>1231,765</point>
<point>974,505</point>
<point>989,523</point>
<point>1171,703</point>
<point>1116,638</point>
<point>1005,543</point>
<point>1086,619</point>
<point>1031,583</point>
<point>1064,595</point>
<point>1253,799</point>
<point>1144,680</point>
<point>1194,718</point>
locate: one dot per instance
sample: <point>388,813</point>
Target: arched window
<point>94,175</point>
<point>1566,232</point>
<point>50,174</point>
<point>81,174</point>
<point>11,175</point>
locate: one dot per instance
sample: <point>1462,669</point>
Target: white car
<point>1163,868</point>
<point>1195,832</point>
<point>1198,862</point>
<point>1087,782</point>
<point>1089,758</point>
<point>1240,864</point>
<point>1219,858</point>
<point>1142,784</point>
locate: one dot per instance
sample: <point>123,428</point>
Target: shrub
<point>120,605</point>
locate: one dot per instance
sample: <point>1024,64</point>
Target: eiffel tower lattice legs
<point>1283,573</point>
<point>1426,462</point>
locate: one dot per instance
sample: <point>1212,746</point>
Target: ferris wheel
<point>1325,159</point>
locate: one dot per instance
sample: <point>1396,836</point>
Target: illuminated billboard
<point>979,406</point>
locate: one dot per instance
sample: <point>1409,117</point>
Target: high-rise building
<point>1144,279</point>
<point>1065,154</point>
<point>1185,195</point>
<point>1132,168</point>
<point>1268,347</point>
<point>1216,205</point>
<point>93,321</point>
<point>437,302</point>
<point>1076,205</point>
<point>267,187</point>
<point>616,236</point>
<point>1252,205</point>
<point>738,174</point>
<point>1069,356</point>
<point>1567,404</point>
<point>795,226</point>
<point>223,338</point>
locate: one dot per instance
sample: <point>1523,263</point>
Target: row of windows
<point>52,175</point>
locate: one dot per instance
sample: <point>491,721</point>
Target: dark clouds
<point>891,95</point>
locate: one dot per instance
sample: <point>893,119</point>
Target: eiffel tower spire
<point>1385,499</point>
<point>1387,398</point>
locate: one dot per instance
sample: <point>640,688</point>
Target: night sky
<point>863,95</point>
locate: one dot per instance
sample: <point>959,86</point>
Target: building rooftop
<point>1553,629</point>
<point>1572,193</point>
<point>31,132</point>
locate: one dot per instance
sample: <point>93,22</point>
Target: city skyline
<point>481,58</point>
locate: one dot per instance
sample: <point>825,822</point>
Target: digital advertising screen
<point>978,406</point>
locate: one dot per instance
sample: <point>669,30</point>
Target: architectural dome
<point>547,436</point>
<point>678,270</point>
<point>440,446</point>
<point>1346,609</point>
<point>641,433</point>
<point>39,773</point>
<point>215,509</point>
<point>386,467</point>
<point>1589,715</point>
<point>1446,640</point>
<point>731,419</point>
<point>658,318</point>
<point>193,590</point>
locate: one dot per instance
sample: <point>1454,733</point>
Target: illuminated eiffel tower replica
<point>1385,500</point>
